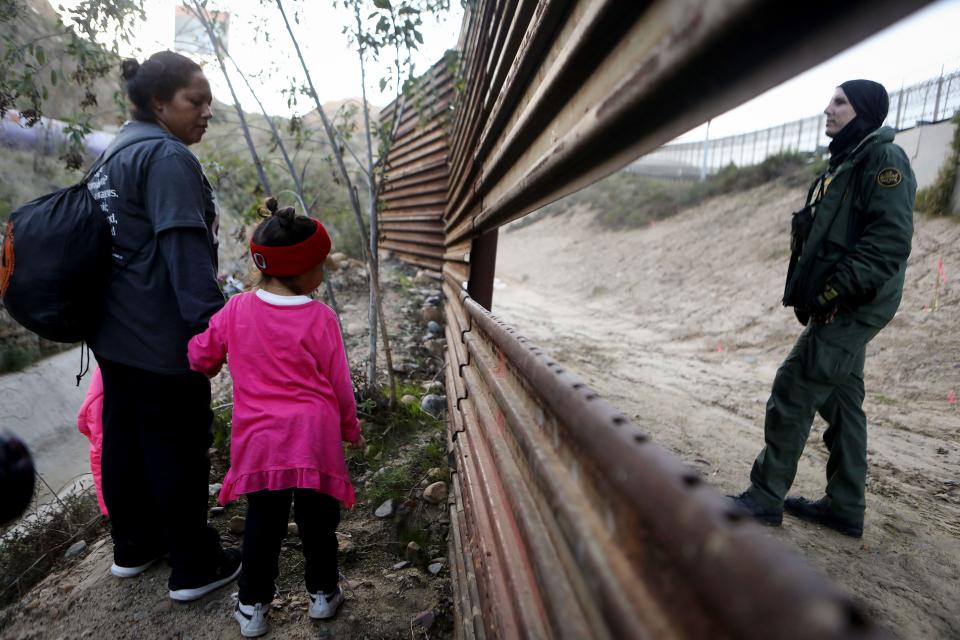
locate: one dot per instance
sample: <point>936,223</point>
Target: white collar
<point>281,301</point>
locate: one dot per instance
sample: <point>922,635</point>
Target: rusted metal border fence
<point>565,520</point>
<point>415,189</point>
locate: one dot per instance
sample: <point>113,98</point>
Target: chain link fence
<point>930,101</point>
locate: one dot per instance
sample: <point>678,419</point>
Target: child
<point>293,404</point>
<point>90,424</point>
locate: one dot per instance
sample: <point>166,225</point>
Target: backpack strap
<point>106,156</point>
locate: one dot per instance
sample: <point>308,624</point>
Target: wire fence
<point>930,101</point>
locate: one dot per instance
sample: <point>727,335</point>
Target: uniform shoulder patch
<point>889,177</point>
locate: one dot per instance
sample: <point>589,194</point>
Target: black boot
<point>820,512</point>
<point>752,508</point>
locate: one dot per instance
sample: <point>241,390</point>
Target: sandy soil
<point>679,324</point>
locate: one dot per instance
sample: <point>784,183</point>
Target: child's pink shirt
<point>293,399</point>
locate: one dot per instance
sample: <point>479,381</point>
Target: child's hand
<point>359,444</point>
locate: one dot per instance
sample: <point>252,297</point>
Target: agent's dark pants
<point>317,516</point>
<point>156,432</point>
<point>823,373</point>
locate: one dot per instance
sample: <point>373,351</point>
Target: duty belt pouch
<point>800,227</point>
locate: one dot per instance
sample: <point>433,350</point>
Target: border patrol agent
<point>849,249</point>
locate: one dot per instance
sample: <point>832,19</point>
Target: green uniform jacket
<point>861,233</point>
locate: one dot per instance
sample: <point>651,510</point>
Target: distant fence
<point>929,101</point>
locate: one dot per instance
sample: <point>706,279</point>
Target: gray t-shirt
<point>163,218</point>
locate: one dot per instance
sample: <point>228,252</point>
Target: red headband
<point>295,259</point>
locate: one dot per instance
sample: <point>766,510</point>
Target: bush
<point>35,546</point>
<point>937,199</point>
<point>17,359</point>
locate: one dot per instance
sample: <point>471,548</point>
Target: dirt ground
<point>679,324</point>
<point>82,600</point>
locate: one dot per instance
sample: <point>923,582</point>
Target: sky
<point>333,63</point>
<point>910,51</point>
<point>907,52</point>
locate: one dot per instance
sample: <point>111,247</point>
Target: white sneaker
<point>252,619</point>
<point>324,605</point>
<point>130,572</point>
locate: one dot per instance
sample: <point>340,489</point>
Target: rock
<point>435,493</point>
<point>435,300</point>
<point>75,549</point>
<point>385,510</point>
<point>434,474</point>
<point>435,567</point>
<point>424,619</point>
<point>339,258</point>
<point>370,451</point>
<point>343,546</point>
<point>434,328</point>
<point>214,489</point>
<point>412,553</point>
<point>355,328</point>
<point>66,587</point>
<point>216,511</point>
<point>434,386</point>
<point>422,279</point>
<point>293,529</point>
<point>437,348</point>
<point>431,313</point>
<point>408,399</point>
<point>434,405</point>
<point>404,367</point>
<point>237,525</point>
<point>401,565</point>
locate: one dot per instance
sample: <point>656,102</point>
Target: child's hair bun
<point>269,208</point>
<point>129,68</point>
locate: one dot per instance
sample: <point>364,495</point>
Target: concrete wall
<point>927,147</point>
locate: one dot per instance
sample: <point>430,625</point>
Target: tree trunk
<point>261,174</point>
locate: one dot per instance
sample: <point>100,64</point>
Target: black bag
<point>55,262</point>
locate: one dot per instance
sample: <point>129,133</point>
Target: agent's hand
<point>825,303</point>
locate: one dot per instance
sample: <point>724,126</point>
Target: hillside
<point>679,324</point>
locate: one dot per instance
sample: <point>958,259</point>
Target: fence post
<point>900,103</point>
<point>936,102</point>
<point>799,134</point>
<point>706,153</point>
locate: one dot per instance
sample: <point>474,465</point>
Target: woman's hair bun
<point>129,68</point>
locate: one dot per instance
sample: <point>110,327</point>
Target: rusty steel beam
<point>697,528</point>
<point>628,606</point>
<point>676,65</point>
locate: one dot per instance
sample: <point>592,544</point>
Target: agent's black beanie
<point>869,99</point>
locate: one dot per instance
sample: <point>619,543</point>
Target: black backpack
<point>55,261</point>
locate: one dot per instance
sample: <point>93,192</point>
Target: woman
<point>163,289</point>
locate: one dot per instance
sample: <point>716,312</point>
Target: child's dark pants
<point>317,516</point>
<point>156,432</point>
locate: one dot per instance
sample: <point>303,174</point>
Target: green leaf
<point>419,37</point>
<point>53,77</point>
<point>383,85</point>
<point>382,4</point>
